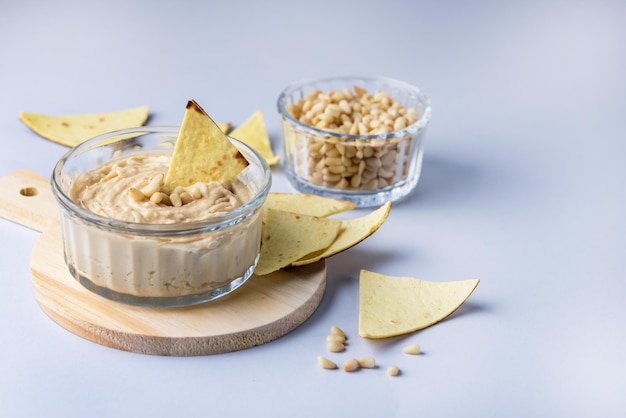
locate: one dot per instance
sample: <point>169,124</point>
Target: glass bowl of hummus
<point>130,240</point>
<point>354,138</point>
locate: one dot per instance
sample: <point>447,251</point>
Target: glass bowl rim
<point>412,129</point>
<point>214,223</point>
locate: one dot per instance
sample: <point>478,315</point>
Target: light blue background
<point>522,187</point>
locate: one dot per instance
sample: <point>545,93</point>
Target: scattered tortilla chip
<point>307,204</point>
<point>353,231</point>
<point>289,236</point>
<point>71,130</point>
<point>203,152</point>
<point>253,133</point>
<point>391,306</point>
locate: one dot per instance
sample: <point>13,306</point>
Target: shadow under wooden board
<point>262,310</point>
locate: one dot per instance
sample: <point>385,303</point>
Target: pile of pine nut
<point>350,163</point>
<point>335,343</point>
<point>156,192</point>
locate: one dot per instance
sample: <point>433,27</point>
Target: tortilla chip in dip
<point>203,152</point>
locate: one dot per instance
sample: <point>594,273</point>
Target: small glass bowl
<point>367,170</point>
<point>157,265</point>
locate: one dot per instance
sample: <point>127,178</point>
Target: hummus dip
<point>106,191</point>
<point>172,261</point>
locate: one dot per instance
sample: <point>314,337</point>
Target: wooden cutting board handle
<point>27,199</point>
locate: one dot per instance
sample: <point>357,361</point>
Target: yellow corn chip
<point>307,204</point>
<point>71,130</point>
<point>391,306</point>
<point>253,133</point>
<point>203,152</point>
<point>353,231</point>
<point>289,236</point>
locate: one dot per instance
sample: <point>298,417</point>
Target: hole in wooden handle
<point>29,191</point>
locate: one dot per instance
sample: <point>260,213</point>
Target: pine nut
<point>337,96</point>
<point>367,362</point>
<point>335,346</point>
<point>350,365</point>
<point>157,197</point>
<point>393,371</point>
<point>326,363</point>
<point>373,162</point>
<point>335,338</point>
<point>194,192</point>
<point>176,200</point>
<point>318,107</point>
<point>411,116</point>
<point>335,330</point>
<point>382,130</point>
<point>384,174</point>
<point>388,158</point>
<point>362,129</point>
<point>355,181</point>
<point>112,174</point>
<point>362,166</point>
<point>350,151</point>
<point>412,349</point>
<point>345,106</point>
<point>399,123</point>
<point>306,106</point>
<point>322,124</point>
<point>334,161</point>
<point>186,198</point>
<point>333,110</point>
<point>166,200</point>
<point>336,169</point>
<point>370,185</point>
<point>316,178</point>
<point>136,195</point>
<point>331,178</point>
<point>369,173</point>
<point>382,182</point>
<point>343,184</point>
<point>150,189</point>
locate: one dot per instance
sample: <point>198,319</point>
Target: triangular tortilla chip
<point>71,130</point>
<point>203,152</point>
<point>353,231</point>
<point>307,204</point>
<point>253,133</point>
<point>289,236</point>
<point>391,306</point>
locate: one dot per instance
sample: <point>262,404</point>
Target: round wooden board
<point>263,309</point>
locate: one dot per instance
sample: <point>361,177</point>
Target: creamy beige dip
<point>157,265</point>
<point>105,191</point>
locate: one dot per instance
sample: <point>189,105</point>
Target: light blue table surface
<point>522,186</point>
